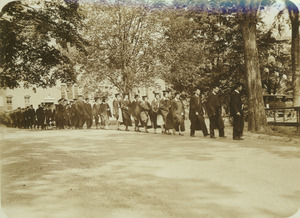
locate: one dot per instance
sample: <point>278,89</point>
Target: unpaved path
<point>98,173</point>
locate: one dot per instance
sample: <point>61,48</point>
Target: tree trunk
<point>257,120</point>
<point>295,49</point>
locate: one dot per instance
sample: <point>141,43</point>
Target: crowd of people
<point>166,111</point>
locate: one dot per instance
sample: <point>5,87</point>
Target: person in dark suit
<point>125,107</point>
<point>177,111</point>
<point>79,108</point>
<point>214,111</point>
<point>196,115</point>
<point>61,113</point>
<point>136,112</point>
<point>88,113</point>
<point>32,117</point>
<point>236,111</point>
<point>40,117</point>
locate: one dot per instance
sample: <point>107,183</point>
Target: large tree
<point>123,37</point>
<point>36,37</point>
<point>295,49</point>
<point>247,15</point>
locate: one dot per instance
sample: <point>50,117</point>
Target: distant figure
<point>105,113</point>
<point>236,111</point>
<point>88,113</point>
<point>136,112</point>
<point>165,107</point>
<point>80,114</point>
<point>125,107</point>
<point>145,108</point>
<point>155,116</point>
<point>117,113</point>
<point>177,110</point>
<point>96,112</point>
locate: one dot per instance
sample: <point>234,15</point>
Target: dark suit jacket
<point>235,103</point>
<point>195,106</point>
<point>136,109</point>
<point>79,106</point>
<point>213,105</point>
<point>88,112</point>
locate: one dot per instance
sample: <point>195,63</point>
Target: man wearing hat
<point>236,111</point>
<point>105,113</point>
<point>88,113</point>
<point>214,112</point>
<point>96,112</point>
<point>117,113</point>
<point>145,108</point>
<point>136,112</point>
<point>196,114</point>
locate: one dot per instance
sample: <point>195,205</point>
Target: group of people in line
<point>166,111</point>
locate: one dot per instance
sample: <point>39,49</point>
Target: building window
<point>9,102</point>
<point>27,100</point>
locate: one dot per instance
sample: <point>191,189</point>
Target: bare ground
<point>98,173</point>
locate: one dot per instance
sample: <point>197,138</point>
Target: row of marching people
<point>164,112</point>
<point>168,112</point>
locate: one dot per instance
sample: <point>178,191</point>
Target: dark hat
<point>65,99</point>
<point>96,98</point>
<point>75,99</point>
<point>177,93</point>
<point>86,99</point>
<point>144,96</point>
<point>79,95</point>
<point>117,94</point>
<point>156,93</point>
<point>166,91</point>
<point>59,100</point>
<point>104,98</point>
<point>136,95</point>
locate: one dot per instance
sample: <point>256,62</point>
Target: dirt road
<point>98,173</point>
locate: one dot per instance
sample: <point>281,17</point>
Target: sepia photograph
<point>150,108</point>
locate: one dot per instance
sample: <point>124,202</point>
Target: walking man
<point>196,114</point>
<point>236,111</point>
<point>214,111</point>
